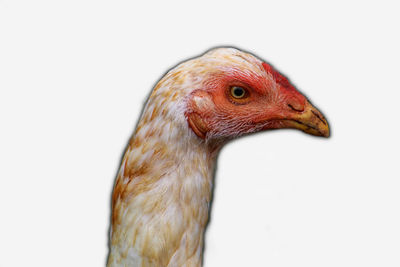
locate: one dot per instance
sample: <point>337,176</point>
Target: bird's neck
<point>161,198</point>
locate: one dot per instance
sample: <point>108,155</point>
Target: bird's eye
<point>238,92</point>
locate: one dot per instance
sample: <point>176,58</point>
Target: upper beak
<point>311,121</point>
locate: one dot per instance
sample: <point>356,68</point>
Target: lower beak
<point>310,121</point>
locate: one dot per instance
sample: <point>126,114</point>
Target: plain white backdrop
<point>75,74</point>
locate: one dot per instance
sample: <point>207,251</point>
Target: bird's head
<point>239,94</point>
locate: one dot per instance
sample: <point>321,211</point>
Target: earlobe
<point>199,105</point>
<point>197,124</point>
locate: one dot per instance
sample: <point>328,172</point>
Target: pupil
<point>238,91</point>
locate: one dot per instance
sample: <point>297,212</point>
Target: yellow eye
<point>238,92</point>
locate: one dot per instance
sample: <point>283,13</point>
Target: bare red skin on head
<point>257,101</point>
<point>268,100</point>
<point>297,100</point>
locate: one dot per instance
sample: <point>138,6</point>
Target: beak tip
<point>318,121</point>
<point>325,131</point>
<point>326,134</point>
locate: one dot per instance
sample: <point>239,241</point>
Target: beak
<point>310,121</point>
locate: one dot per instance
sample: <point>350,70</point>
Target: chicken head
<point>245,95</point>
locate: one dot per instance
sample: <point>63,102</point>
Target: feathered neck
<point>163,191</point>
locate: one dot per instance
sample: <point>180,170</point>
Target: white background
<point>75,74</point>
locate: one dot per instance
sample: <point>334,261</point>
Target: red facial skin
<point>295,99</point>
<point>269,103</point>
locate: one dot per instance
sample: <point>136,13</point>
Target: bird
<point>163,190</point>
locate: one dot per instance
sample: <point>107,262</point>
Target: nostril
<point>296,108</point>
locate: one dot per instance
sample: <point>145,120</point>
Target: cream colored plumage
<point>163,190</point>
